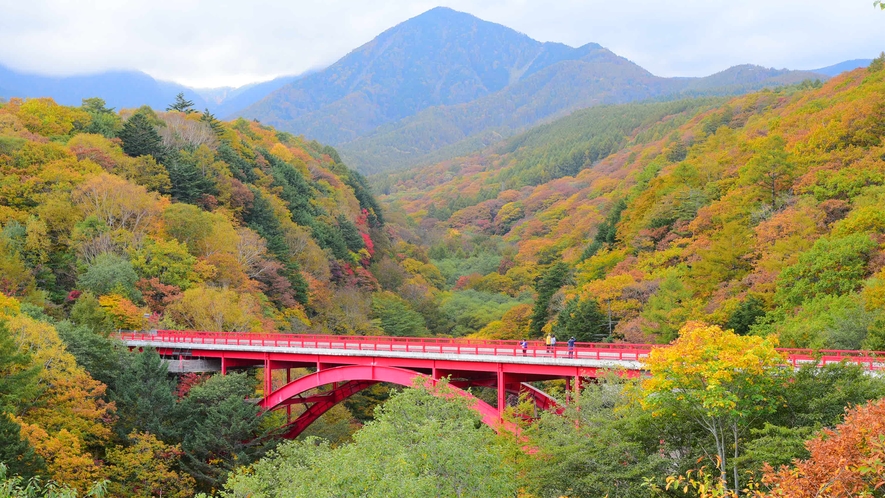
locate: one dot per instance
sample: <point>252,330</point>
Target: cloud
<point>222,42</point>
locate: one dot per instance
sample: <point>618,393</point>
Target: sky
<point>213,43</point>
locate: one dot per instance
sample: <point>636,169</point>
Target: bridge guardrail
<point>872,360</point>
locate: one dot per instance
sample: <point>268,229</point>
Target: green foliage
<point>15,486</point>
<point>221,430</point>
<point>878,64</point>
<point>109,273</point>
<point>168,261</point>
<point>88,313</point>
<point>101,355</point>
<point>606,232</point>
<point>832,267</point>
<point>745,315</point>
<point>453,268</point>
<point>104,120</point>
<point>602,445</point>
<point>181,104</point>
<point>145,399</point>
<point>189,184</point>
<point>581,319</point>
<point>140,138</point>
<point>18,386</point>
<point>468,311</point>
<point>395,316</point>
<point>420,444</point>
<point>546,286</point>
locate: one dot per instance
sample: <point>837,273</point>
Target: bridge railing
<point>441,345</point>
<point>872,360</point>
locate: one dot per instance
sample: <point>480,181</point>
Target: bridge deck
<point>588,355</point>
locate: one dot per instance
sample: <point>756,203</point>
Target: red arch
<point>357,377</point>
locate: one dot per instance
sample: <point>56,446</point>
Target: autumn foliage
<point>848,460</point>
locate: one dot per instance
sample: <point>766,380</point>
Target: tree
<point>423,442</point>
<point>723,382</point>
<point>110,273</point>
<point>104,120</point>
<point>213,122</point>
<point>145,397</point>
<point>181,104</point>
<point>832,267</point>
<point>581,319</point>
<point>396,317</point>
<point>140,138</point>
<point>546,286</point>
<point>18,383</point>
<point>771,167</point>
<point>745,315</point>
<point>602,444</point>
<point>848,460</point>
<point>221,429</point>
<point>147,468</point>
<point>222,310</point>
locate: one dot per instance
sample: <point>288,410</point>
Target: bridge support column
<point>502,392</point>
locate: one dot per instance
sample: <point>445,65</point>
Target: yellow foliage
<point>125,313</point>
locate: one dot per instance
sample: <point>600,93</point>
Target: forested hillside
<point>140,220</point>
<point>763,214</point>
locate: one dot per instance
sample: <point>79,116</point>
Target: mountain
<point>244,96</point>
<point>128,89</point>
<point>666,212</point>
<point>441,57</point>
<point>842,67</point>
<point>120,89</point>
<point>551,93</point>
<point>447,82</point>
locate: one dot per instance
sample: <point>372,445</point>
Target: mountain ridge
<point>443,77</point>
<point>130,88</point>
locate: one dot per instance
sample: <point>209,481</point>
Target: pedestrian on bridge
<point>524,345</point>
<point>553,344</point>
<point>571,347</point>
<point>547,342</point>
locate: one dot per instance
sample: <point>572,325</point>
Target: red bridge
<point>350,364</point>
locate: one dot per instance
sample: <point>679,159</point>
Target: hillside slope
<point>765,214</point>
<point>169,215</point>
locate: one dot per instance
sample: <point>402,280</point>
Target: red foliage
<point>187,382</point>
<point>95,154</point>
<point>846,461</point>
<point>370,246</point>
<point>156,294</point>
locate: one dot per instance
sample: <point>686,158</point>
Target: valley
<point>451,184</point>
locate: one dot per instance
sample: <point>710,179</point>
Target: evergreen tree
<point>104,120</point>
<point>140,138</point>
<point>181,104</point>
<point>221,429</point>
<point>546,286</point>
<point>188,182</point>
<point>583,320</point>
<point>213,122</point>
<point>145,397</point>
<point>745,315</point>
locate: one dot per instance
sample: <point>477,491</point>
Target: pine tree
<point>546,287</point>
<point>213,122</point>
<point>181,104</point>
<point>140,138</point>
